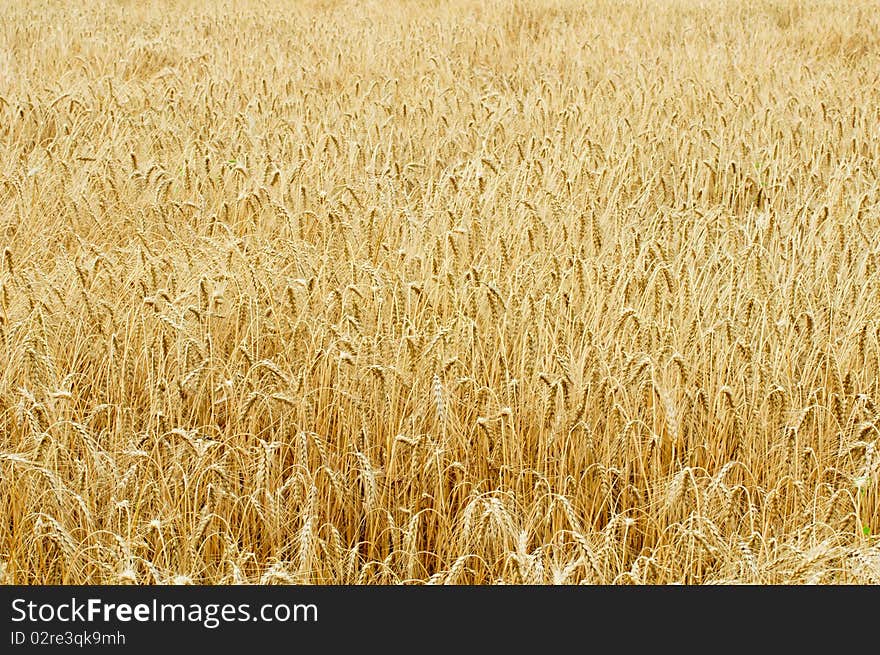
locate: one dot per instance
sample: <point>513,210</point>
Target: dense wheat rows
<point>459,292</point>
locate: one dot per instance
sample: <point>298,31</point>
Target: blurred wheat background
<point>448,292</point>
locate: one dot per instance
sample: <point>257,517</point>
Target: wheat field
<point>439,292</point>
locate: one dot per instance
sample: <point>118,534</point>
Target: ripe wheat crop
<point>439,292</point>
